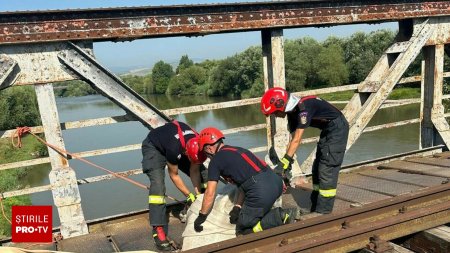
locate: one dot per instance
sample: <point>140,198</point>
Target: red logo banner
<point>31,224</point>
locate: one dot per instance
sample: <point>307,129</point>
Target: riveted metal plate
<point>407,178</point>
<point>417,168</point>
<point>376,185</point>
<point>39,62</point>
<point>300,198</point>
<point>94,242</point>
<point>357,195</point>
<point>133,236</point>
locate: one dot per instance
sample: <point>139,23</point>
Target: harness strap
<point>181,135</point>
<point>247,159</point>
<point>311,97</point>
<point>306,98</point>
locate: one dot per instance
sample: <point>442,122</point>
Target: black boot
<point>289,215</point>
<point>160,238</point>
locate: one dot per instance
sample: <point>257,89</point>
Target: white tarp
<point>217,226</point>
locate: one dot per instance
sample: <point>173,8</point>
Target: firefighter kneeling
<point>259,187</point>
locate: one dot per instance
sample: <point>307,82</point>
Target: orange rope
<point>17,136</point>
<point>23,130</point>
<point>3,210</point>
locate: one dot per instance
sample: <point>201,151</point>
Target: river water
<point>116,196</point>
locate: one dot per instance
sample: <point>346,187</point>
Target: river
<point>116,196</point>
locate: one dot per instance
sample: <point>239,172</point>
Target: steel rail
<point>138,171</point>
<point>137,146</point>
<point>350,229</point>
<point>116,24</point>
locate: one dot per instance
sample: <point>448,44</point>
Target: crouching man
<point>259,186</point>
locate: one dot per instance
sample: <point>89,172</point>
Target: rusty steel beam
<point>118,24</point>
<point>106,177</point>
<point>137,146</point>
<point>350,229</point>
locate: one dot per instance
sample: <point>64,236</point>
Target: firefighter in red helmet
<point>304,112</point>
<point>174,145</point>
<point>259,187</point>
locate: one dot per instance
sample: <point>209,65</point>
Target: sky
<point>124,56</point>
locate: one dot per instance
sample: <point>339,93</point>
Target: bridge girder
<point>117,24</point>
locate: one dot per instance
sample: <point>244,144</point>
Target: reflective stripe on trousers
<point>156,199</point>
<point>328,193</point>
<point>325,193</point>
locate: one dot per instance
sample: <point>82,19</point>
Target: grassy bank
<point>10,179</point>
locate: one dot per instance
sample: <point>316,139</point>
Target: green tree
<point>74,88</point>
<point>187,82</point>
<point>234,75</point>
<point>331,67</point>
<point>161,74</point>
<point>362,51</point>
<point>309,49</point>
<point>18,108</point>
<point>184,63</point>
<point>135,82</point>
<point>296,66</point>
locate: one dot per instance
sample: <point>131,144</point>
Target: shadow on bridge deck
<point>358,187</point>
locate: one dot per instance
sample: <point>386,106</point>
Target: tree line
<point>309,64</point>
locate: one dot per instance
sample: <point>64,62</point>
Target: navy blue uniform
<point>262,187</point>
<point>315,112</point>
<point>163,145</point>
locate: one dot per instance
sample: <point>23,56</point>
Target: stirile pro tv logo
<point>31,224</point>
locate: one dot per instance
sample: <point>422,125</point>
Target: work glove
<point>234,214</point>
<point>190,199</point>
<point>284,165</point>
<point>199,221</point>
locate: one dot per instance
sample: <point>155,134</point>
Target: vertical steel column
<point>431,93</point>
<point>66,195</point>
<point>274,76</point>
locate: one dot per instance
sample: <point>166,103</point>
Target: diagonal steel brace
<point>359,117</point>
<point>9,71</point>
<point>111,86</point>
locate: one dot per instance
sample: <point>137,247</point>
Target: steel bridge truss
<point>39,48</point>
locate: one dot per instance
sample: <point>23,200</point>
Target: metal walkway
<point>375,184</point>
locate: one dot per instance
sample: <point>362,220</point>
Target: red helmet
<point>275,99</point>
<point>194,154</point>
<point>209,135</point>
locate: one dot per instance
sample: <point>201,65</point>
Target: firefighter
<point>259,187</point>
<point>311,111</point>
<point>175,145</point>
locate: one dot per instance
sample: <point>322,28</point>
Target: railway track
<point>371,225</point>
